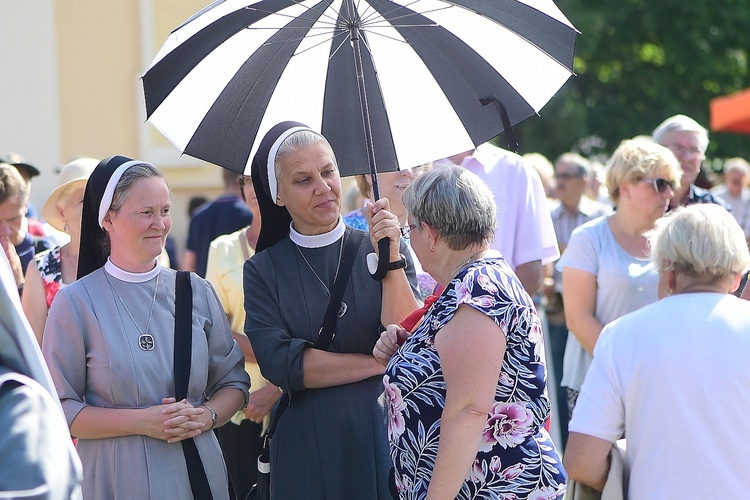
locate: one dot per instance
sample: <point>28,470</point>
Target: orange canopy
<point>731,113</point>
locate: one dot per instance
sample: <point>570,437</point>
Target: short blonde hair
<point>637,159</point>
<point>701,240</point>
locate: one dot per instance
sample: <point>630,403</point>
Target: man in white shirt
<point>524,235</point>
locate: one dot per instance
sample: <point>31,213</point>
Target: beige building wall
<point>70,87</point>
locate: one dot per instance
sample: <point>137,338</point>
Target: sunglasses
<point>660,185</point>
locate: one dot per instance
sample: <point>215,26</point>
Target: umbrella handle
<point>384,257</point>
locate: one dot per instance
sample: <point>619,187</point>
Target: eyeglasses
<point>660,185</point>
<point>682,150</point>
<point>407,229</point>
<point>244,180</point>
<point>567,176</point>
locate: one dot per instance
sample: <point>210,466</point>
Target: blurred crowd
<point>630,289</point>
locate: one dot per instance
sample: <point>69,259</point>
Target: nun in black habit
<point>331,441</point>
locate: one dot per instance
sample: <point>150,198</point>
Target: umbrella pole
<point>383,244</point>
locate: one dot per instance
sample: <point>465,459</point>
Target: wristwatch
<point>399,264</point>
<point>214,416</point>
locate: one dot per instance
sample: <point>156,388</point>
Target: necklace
<point>471,259</point>
<point>343,307</point>
<point>146,340</point>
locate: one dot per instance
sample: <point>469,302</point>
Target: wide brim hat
<point>74,172</point>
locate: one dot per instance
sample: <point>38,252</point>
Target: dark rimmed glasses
<point>661,185</point>
<point>244,180</point>
<point>405,230</point>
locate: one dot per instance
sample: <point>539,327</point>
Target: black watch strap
<point>399,264</point>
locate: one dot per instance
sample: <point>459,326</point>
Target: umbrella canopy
<point>435,77</point>
<point>731,113</point>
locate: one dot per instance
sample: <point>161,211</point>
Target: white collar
<point>317,240</point>
<point>129,277</point>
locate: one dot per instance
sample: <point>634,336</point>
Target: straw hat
<point>76,171</point>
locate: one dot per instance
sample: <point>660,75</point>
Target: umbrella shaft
<point>361,88</point>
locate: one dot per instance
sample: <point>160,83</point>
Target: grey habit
<point>331,443</point>
<point>92,349</point>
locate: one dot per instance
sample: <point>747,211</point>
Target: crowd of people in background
<point>522,295</point>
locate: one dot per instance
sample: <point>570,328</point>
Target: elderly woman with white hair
<point>466,387</point>
<point>672,376</point>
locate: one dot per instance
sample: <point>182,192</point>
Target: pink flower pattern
<point>508,425</point>
<point>515,453</point>
<point>396,406</point>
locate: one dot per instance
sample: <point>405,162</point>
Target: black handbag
<point>262,489</point>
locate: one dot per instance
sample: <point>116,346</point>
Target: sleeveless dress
<point>516,458</point>
<point>50,268</point>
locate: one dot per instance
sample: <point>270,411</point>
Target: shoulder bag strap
<point>183,347</point>
<point>328,330</point>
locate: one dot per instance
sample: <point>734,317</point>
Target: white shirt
<point>524,227</point>
<point>674,377</point>
<point>740,205</point>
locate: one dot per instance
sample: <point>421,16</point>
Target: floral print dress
<point>516,458</point>
<point>50,268</point>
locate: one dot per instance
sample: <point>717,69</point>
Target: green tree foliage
<point>638,62</point>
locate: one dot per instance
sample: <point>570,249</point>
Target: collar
<point>129,277</point>
<point>317,240</point>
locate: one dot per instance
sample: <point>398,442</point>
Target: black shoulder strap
<point>183,342</point>
<point>328,330</point>
<point>183,347</point>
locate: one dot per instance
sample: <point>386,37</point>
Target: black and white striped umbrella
<point>438,76</point>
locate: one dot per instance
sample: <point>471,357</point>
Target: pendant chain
<point>153,302</point>
<point>341,251</point>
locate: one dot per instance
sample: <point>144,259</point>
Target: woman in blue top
<point>466,389</point>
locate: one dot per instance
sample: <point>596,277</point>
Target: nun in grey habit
<point>331,440</point>
<point>109,342</point>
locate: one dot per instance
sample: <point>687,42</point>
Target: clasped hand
<point>174,421</point>
<point>390,340</point>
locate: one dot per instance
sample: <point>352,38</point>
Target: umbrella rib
<point>333,53</point>
<point>436,9</point>
<point>331,20</point>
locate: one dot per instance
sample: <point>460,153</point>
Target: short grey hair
<point>12,185</point>
<point>701,240</point>
<point>738,164</point>
<point>456,203</point>
<point>583,165</point>
<point>680,123</point>
<point>298,141</point>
